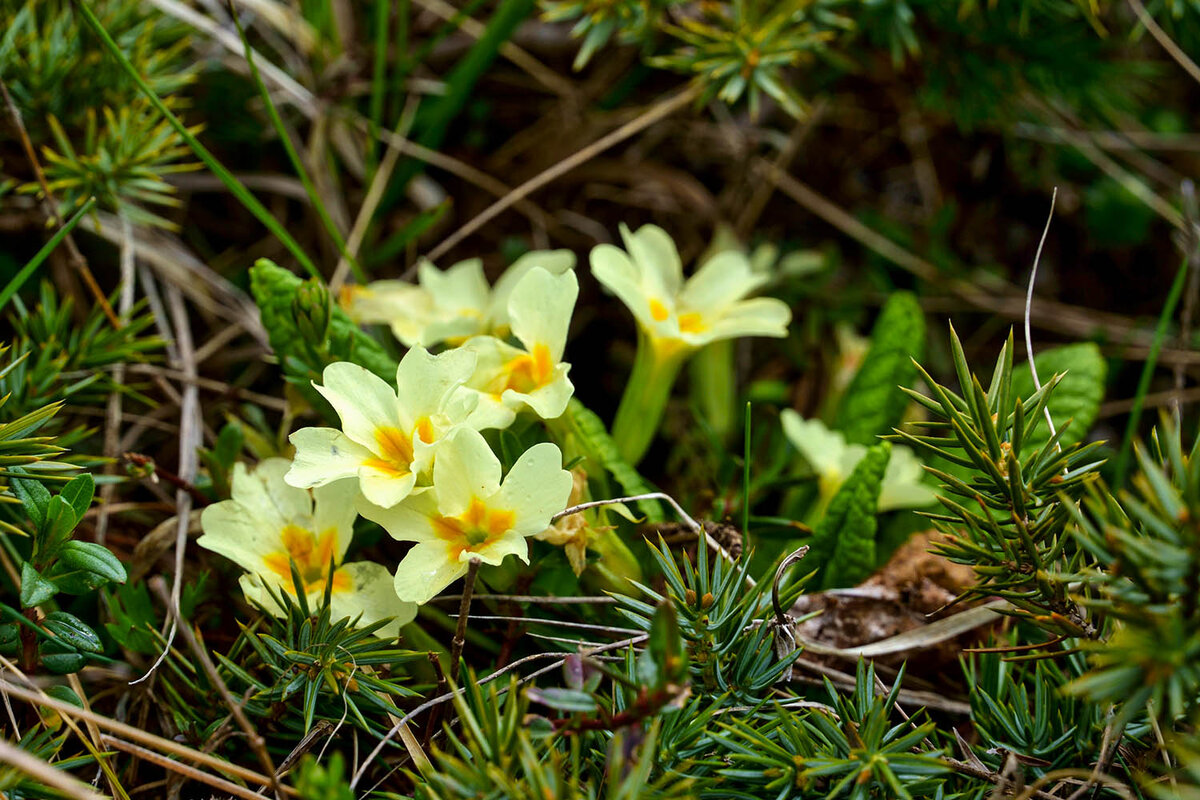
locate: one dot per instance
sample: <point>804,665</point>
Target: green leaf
<point>34,498</point>
<point>843,543</point>
<point>93,558</point>
<point>873,403</point>
<point>10,638</point>
<point>58,659</point>
<point>229,444</point>
<point>60,521</point>
<point>35,589</point>
<point>73,631</point>
<point>79,492</point>
<point>570,700</point>
<point>1077,397</point>
<point>276,291</point>
<point>594,440</point>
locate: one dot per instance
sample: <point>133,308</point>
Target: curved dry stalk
<point>1037,384</point>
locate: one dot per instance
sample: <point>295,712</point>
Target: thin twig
<point>652,115</point>
<point>112,416</point>
<point>1160,36</point>
<point>189,440</point>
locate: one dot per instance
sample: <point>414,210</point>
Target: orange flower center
<point>690,322</point>
<point>312,556</point>
<point>477,526</point>
<point>395,447</point>
<point>528,372</point>
<point>659,311</point>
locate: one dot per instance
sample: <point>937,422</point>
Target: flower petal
<point>290,502</point>
<point>372,594</point>
<point>535,489</point>
<point>494,552</point>
<point>759,316</point>
<point>724,279</point>
<point>462,288</point>
<point>658,261</point>
<point>549,401</point>
<point>238,533</point>
<point>540,309</point>
<point>428,568</point>
<point>385,486</point>
<point>410,521</point>
<point>556,262</point>
<point>333,509</point>
<point>465,469</point>
<point>613,268</point>
<point>424,382</point>
<point>363,401</point>
<point>324,455</point>
<point>823,449</point>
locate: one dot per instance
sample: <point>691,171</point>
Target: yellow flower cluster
<point>412,457</point>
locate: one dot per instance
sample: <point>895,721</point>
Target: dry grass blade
<point>131,733</point>
<point>44,772</point>
<point>644,120</point>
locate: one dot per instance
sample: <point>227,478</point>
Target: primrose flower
<point>448,306</point>
<point>388,435</point>
<point>675,318</point>
<point>268,525</point>
<point>678,315</point>
<point>470,513</point>
<point>511,378</point>
<point>833,460</point>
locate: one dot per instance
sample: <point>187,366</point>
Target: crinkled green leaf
<point>594,439</point>
<point>843,543</point>
<point>1076,398</point>
<point>276,291</point>
<point>873,403</point>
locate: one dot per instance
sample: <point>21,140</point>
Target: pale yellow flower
<point>470,513</point>
<point>388,436</point>
<point>833,460</point>
<point>268,525</point>
<point>679,315</point>
<point>533,376</point>
<point>449,305</point>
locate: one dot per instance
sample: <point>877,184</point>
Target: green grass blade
<point>297,163</point>
<point>459,85</point>
<point>225,176</point>
<point>1121,469</point>
<point>19,279</point>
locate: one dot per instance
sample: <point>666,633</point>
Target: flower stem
<point>645,397</point>
<point>464,611</point>
<point>714,385</point>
